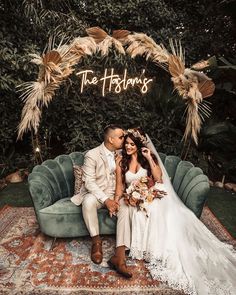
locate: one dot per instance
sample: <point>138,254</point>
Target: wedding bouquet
<point>142,192</point>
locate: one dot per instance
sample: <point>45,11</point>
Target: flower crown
<point>137,134</point>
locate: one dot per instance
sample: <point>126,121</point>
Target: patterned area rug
<point>27,266</point>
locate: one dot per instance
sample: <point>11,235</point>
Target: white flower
<point>136,195</point>
<point>130,189</point>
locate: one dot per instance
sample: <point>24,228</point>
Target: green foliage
<point>218,142</point>
<point>75,121</point>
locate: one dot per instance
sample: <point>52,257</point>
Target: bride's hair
<point>140,140</point>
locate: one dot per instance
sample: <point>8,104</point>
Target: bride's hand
<point>146,153</point>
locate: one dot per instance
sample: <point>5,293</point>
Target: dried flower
<point>135,132</point>
<point>141,193</point>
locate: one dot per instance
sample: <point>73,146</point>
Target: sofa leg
<point>53,243</point>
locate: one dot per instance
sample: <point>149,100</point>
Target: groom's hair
<point>108,129</point>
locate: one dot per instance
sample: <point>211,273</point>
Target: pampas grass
<point>141,44</point>
<point>56,64</point>
<point>193,87</point>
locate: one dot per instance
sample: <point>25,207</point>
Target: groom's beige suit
<point>99,184</point>
<point>96,176</point>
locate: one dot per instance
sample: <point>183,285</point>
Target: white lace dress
<point>178,247</point>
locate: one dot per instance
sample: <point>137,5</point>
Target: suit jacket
<point>96,176</point>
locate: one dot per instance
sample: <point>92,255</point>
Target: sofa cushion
<point>65,217</point>
<point>63,206</point>
<point>78,173</point>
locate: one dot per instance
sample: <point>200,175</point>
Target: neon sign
<point>113,81</point>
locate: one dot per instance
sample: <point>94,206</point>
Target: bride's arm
<point>119,183</point>
<point>155,168</point>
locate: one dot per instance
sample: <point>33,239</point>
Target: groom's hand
<point>112,206</point>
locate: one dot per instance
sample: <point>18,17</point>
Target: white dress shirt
<point>110,159</point>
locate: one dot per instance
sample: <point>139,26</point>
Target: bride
<point>176,245</point>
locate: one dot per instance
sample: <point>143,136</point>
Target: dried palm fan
<point>49,63</point>
<point>104,41</point>
<point>193,87</point>
<point>54,63</point>
<point>97,34</point>
<point>205,64</point>
<point>120,35</point>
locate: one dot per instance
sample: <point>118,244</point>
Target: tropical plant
<point>218,143</point>
<point>25,27</point>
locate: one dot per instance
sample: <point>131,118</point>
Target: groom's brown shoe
<point>120,266</point>
<point>96,252</point>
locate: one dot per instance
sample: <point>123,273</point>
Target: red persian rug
<point>27,266</point>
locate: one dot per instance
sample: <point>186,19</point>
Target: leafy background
<point>75,121</point>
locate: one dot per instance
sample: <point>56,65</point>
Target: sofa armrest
<point>41,192</point>
<point>41,196</point>
<point>197,196</point>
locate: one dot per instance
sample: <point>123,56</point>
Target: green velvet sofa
<point>51,185</point>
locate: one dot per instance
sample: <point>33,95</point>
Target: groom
<point>99,185</point>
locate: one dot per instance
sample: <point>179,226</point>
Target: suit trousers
<point>90,206</point>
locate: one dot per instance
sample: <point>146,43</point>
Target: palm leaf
<point>206,88</point>
<point>120,34</point>
<point>176,66</point>
<point>97,34</point>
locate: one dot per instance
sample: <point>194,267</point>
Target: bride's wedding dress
<point>178,247</point>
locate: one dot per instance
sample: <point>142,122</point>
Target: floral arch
<point>57,64</point>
